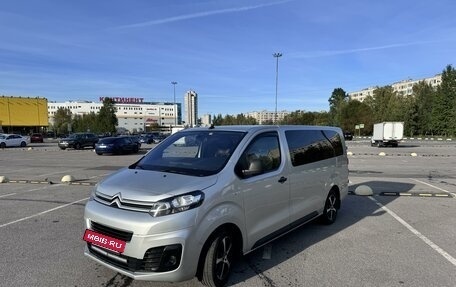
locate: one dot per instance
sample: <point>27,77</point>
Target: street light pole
<point>277,56</point>
<point>174,107</point>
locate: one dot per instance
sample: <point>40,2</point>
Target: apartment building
<point>191,108</point>
<point>404,87</point>
<point>267,117</point>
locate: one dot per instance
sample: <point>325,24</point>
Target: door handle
<point>282,179</point>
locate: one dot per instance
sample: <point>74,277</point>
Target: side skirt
<point>284,230</point>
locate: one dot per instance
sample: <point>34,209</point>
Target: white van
<point>205,195</point>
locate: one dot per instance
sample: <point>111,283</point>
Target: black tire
<point>2,145</point>
<point>63,148</point>
<point>23,144</point>
<point>99,153</point>
<point>77,146</point>
<point>329,215</point>
<point>218,260</point>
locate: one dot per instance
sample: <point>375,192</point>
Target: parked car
<point>205,195</point>
<point>136,139</point>
<point>37,138</point>
<point>12,140</point>
<point>158,138</point>
<point>78,141</point>
<point>116,145</point>
<point>348,135</point>
<point>146,138</point>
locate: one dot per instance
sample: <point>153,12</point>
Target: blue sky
<point>83,50</point>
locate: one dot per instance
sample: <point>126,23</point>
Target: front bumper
<point>65,144</point>
<point>153,246</point>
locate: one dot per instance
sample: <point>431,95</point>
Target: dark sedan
<point>348,136</point>
<point>36,138</point>
<point>116,145</point>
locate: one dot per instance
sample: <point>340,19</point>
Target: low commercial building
<point>23,115</point>
<point>133,114</point>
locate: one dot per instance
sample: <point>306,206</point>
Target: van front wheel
<point>330,211</point>
<point>218,260</point>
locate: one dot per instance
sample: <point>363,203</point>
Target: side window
<point>261,156</point>
<point>336,141</point>
<point>307,146</point>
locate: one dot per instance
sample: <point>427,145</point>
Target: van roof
<point>252,128</point>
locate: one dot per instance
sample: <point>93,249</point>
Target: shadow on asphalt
<point>297,241</point>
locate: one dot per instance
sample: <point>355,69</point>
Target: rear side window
<point>336,141</point>
<point>307,146</point>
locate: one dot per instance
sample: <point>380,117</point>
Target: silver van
<point>205,195</point>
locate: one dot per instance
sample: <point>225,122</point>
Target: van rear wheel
<point>330,211</point>
<point>218,260</point>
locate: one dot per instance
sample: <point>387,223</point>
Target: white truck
<point>387,134</point>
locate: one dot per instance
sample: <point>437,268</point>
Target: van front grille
<point>109,231</point>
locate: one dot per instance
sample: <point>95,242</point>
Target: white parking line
<point>426,240</point>
<point>43,212</point>
<point>6,195</point>
<point>433,186</point>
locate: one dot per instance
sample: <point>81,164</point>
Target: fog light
<point>171,257</point>
<point>171,261</point>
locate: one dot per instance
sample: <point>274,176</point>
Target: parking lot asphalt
<point>402,235</point>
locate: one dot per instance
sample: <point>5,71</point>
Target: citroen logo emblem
<point>117,199</point>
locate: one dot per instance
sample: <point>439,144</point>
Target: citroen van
<point>205,195</point>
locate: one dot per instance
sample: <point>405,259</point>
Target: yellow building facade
<point>22,113</point>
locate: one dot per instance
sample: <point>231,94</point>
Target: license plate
<point>104,241</point>
<point>102,146</point>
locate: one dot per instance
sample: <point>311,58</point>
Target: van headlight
<point>93,194</point>
<point>177,204</point>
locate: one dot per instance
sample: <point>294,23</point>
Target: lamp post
<point>174,107</point>
<point>277,56</point>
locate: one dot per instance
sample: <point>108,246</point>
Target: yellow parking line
<point>425,194</point>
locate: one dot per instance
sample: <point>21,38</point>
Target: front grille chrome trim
<point>117,202</point>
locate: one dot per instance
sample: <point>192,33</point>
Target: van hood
<point>151,186</point>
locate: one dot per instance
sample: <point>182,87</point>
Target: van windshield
<point>195,153</point>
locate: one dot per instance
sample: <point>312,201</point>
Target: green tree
<point>444,111</point>
<point>424,95</point>
<point>107,120</point>
<point>62,121</point>
<point>385,105</point>
<point>86,123</point>
<point>229,120</point>
<point>355,113</point>
<point>307,118</point>
<point>217,120</point>
<point>337,101</point>
<point>409,115</point>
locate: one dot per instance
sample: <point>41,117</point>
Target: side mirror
<point>254,168</point>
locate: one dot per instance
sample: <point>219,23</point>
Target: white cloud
<point>328,53</point>
<point>201,14</point>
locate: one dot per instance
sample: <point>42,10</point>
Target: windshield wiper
<point>169,170</point>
